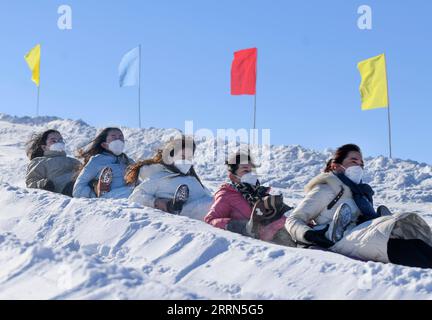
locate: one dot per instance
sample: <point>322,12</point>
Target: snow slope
<point>54,247</point>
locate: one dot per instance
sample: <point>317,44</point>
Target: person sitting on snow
<point>244,206</point>
<point>338,214</point>
<point>169,182</point>
<point>101,175</point>
<point>50,169</point>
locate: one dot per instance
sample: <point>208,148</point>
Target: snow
<point>54,247</point>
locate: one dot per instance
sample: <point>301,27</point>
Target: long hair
<point>95,146</point>
<point>34,146</point>
<point>132,172</point>
<point>341,154</point>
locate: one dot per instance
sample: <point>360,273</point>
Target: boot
<point>341,220</point>
<point>175,206</point>
<point>383,211</point>
<point>104,183</point>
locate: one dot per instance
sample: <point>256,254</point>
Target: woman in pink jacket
<point>241,206</point>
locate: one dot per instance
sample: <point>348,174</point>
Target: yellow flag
<point>33,60</point>
<point>373,87</point>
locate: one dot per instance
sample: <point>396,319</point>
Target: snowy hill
<point>52,246</point>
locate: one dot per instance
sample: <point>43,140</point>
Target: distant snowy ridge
<point>33,121</point>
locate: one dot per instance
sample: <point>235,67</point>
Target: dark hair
<point>341,154</point>
<point>132,172</point>
<point>238,158</point>
<point>95,146</point>
<point>34,146</point>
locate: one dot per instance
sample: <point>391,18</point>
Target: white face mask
<point>183,165</point>
<point>355,174</point>
<point>116,147</point>
<point>249,178</point>
<point>58,147</point>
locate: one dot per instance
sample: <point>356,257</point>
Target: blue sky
<point>307,76</point>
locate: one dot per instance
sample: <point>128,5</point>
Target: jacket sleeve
<point>144,194</point>
<point>82,187</point>
<point>309,209</point>
<point>220,212</point>
<point>36,176</point>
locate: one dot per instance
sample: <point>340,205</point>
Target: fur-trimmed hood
<point>331,180</point>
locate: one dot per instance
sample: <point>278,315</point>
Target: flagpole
<point>255,100</point>
<point>37,101</point>
<point>139,89</point>
<point>388,115</point>
<point>38,92</point>
<point>389,127</point>
<point>254,120</point>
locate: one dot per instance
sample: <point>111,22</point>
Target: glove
<point>318,238</point>
<point>68,189</point>
<point>238,226</point>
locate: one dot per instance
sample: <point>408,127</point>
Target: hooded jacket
<point>83,185</point>
<point>157,181</point>
<point>367,241</point>
<point>320,191</point>
<point>54,166</point>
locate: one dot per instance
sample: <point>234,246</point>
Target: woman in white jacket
<point>168,181</point>
<point>338,213</point>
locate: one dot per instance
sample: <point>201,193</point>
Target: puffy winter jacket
<point>157,181</point>
<point>229,204</point>
<point>53,166</point>
<point>367,241</point>
<point>320,191</point>
<point>83,187</point>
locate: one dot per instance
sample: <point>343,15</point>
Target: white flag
<point>129,68</point>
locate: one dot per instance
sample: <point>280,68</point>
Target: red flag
<point>243,72</point>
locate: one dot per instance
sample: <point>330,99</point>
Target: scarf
<point>362,195</point>
<point>252,194</point>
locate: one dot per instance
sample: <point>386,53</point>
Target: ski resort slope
<point>55,247</point>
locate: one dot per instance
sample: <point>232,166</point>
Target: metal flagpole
<point>388,115</point>
<point>389,127</point>
<point>254,125</point>
<point>37,101</point>
<point>139,89</point>
<point>38,93</point>
<point>256,76</point>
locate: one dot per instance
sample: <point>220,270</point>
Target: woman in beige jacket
<point>337,213</point>
<point>50,169</point>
